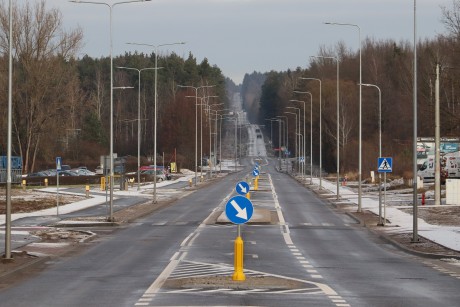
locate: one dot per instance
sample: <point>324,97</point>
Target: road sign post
<point>239,210</point>
<point>385,165</point>
<point>58,169</point>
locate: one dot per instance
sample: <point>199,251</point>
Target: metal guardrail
<point>16,175</point>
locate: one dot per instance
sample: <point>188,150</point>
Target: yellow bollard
<point>102,183</point>
<point>238,275</point>
<point>24,183</point>
<point>248,195</point>
<point>46,182</point>
<point>256,183</point>
<point>87,190</point>
<point>190,182</point>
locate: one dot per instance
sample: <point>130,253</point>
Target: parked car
<point>37,174</point>
<point>83,172</point>
<point>67,173</point>
<point>99,170</point>
<point>160,174</point>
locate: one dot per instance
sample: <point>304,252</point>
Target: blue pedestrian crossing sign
<point>239,209</point>
<point>242,188</point>
<point>255,172</point>
<point>58,163</point>
<point>385,165</point>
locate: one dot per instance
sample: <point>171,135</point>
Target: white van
<point>450,167</point>
<point>426,170</point>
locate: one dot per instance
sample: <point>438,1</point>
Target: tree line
<point>61,103</point>
<point>387,64</point>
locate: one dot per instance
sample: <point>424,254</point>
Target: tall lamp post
<point>286,138</point>
<point>304,131</point>
<point>360,110</point>
<point>299,141</point>
<point>210,110</point>
<point>7,256</point>
<point>110,6</point>
<point>320,133</point>
<point>311,128</point>
<point>138,120</point>
<point>279,138</point>
<point>380,149</point>
<point>415,237</point>
<point>196,88</point>
<point>338,119</point>
<point>156,111</point>
<point>295,134</point>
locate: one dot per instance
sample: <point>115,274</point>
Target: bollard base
<point>238,274</point>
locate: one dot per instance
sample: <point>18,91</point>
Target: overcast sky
<point>242,36</point>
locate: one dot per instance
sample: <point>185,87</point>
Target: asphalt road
<point>318,256</point>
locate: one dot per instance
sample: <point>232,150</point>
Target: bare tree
<point>43,72</point>
<point>451,18</point>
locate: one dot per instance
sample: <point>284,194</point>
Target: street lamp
<point>304,131</point>
<point>204,101</point>
<point>196,88</point>
<point>299,148</point>
<point>320,134</point>
<point>295,135</point>
<point>279,140</point>
<point>138,120</point>
<point>156,111</point>
<point>7,256</point>
<point>286,139</point>
<point>338,120</point>
<point>415,237</point>
<point>380,150</point>
<point>360,110</point>
<point>210,133</point>
<point>110,6</point>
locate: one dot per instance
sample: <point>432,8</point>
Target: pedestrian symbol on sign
<point>385,165</point>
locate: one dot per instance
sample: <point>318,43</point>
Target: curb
<point>386,238</point>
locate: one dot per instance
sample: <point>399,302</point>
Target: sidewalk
<point>94,200</point>
<point>398,221</point>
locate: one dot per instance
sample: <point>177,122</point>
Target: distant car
<point>99,170</point>
<point>65,167</point>
<point>67,173</point>
<point>83,172</point>
<point>160,174</point>
<point>37,174</point>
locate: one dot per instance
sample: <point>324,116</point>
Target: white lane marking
<point>288,239</point>
<point>178,256</point>
<point>156,285</point>
<point>186,239</point>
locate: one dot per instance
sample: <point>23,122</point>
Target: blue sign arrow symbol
<point>242,213</point>
<point>255,172</point>
<point>242,188</point>
<point>239,209</point>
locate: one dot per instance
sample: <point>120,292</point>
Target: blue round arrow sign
<point>239,209</point>
<point>255,172</point>
<point>242,188</point>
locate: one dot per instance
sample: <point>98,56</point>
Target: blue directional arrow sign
<point>242,188</point>
<point>239,209</point>
<point>255,172</point>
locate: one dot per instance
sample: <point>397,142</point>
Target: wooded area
<point>61,103</point>
<point>387,64</point>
